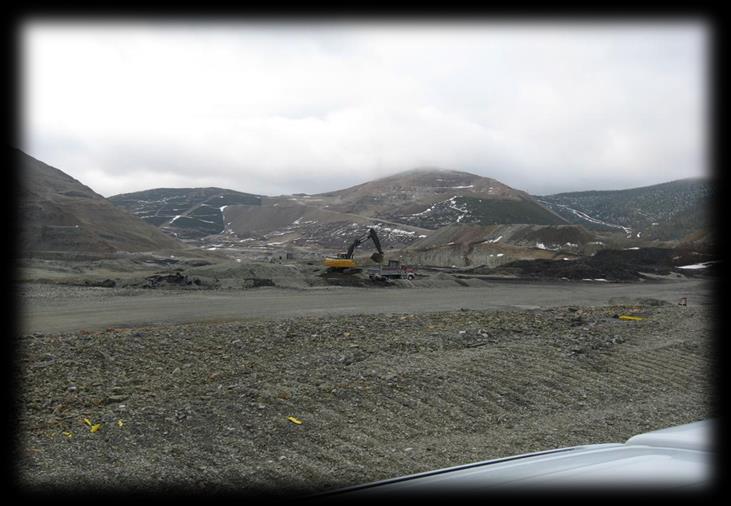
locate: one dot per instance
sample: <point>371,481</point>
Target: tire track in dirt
<point>414,394</point>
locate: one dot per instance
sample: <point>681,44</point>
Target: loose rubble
<point>216,406</point>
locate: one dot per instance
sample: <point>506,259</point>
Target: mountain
<point>187,213</point>
<point>59,216</point>
<point>673,211</point>
<point>430,216</point>
<point>403,209</point>
<point>433,198</point>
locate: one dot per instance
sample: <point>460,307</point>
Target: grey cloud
<point>308,109</point>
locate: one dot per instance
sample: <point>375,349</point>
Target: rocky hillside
<point>404,209</point>
<point>59,216</point>
<point>493,245</point>
<point>433,198</point>
<point>184,212</point>
<point>431,216</point>
<point>678,210</point>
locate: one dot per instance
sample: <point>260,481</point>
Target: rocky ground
<point>310,404</point>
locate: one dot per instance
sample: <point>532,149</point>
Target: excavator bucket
<point>377,257</point>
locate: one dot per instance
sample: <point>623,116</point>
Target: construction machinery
<point>344,262</point>
<point>394,270</point>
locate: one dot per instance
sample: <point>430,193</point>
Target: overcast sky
<point>285,108</point>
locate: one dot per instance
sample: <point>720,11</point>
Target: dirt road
<point>96,308</point>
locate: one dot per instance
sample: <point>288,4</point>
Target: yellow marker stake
<point>294,420</point>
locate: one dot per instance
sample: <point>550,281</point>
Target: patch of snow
<point>698,266</point>
<point>425,211</point>
<point>586,217</point>
<point>461,187</point>
<point>222,208</point>
<point>571,245</point>
<point>500,254</point>
<point>453,205</point>
<point>633,248</point>
<point>395,231</point>
<point>422,236</point>
<point>176,217</point>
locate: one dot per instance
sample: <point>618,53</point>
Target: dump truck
<point>394,270</point>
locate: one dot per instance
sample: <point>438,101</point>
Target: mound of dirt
<point>356,279</point>
<point>609,264</point>
<point>176,279</point>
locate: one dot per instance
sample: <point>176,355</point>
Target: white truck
<point>675,459</point>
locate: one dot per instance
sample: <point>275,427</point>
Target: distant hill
<point>403,208</point>
<point>677,210</point>
<point>184,212</point>
<point>61,216</point>
<point>432,198</point>
<point>433,215</point>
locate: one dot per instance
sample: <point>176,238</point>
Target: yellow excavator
<point>344,261</point>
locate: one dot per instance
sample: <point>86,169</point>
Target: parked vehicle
<point>394,270</point>
<point>673,459</point>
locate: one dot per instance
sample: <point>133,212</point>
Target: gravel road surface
<point>49,308</point>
